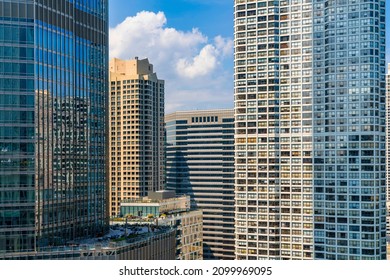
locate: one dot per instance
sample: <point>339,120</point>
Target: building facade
<point>155,207</point>
<point>388,153</point>
<point>189,234</point>
<point>158,245</point>
<point>136,131</point>
<point>167,209</point>
<point>309,129</point>
<point>200,164</point>
<point>53,95</point>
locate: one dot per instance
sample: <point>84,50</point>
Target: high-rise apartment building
<point>310,129</point>
<point>200,163</point>
<point>136,131</point>
<point>53,94</point>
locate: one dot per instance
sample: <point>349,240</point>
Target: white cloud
<point>145,35</point>
<point>188,61</point>
<point>200,65</point>
<point>225,45</point>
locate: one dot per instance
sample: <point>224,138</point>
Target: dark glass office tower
<point>53,94</point>
<point>200,163</point>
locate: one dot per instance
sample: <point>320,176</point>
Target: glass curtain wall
<point>52,122</point>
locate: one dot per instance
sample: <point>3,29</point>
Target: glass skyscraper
<point>53,95</point>
<point>388,154</point>
<point>310,129</point>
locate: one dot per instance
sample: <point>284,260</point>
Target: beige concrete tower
<point>136,131</point>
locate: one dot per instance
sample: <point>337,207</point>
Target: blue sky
<point>214,17</point>
<point>198,72</point>
<point>190,44</point>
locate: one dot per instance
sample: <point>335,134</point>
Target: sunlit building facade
<point>53,97</point>
<point>310,129</point>
<point>136,131</point>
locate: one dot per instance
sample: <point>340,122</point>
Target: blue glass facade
<point>53,88</point>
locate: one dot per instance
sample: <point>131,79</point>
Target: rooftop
<point>119,236</point>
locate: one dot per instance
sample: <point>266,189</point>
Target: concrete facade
<point>136,131</point>
<point>310,178</point>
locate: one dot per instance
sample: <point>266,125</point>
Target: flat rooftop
<point>118,236</point>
